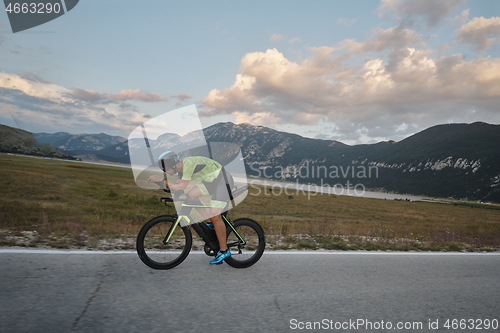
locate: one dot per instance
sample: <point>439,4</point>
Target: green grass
<point>65,204</point>
<point>476,205</point>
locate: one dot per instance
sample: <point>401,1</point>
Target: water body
<point>356,190</point>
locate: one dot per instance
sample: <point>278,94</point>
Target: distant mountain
<point>456,160</point>
<point>85,146</point>
<point>268,147</point>
<point>461,161</point>
<point>269,153</point>
<point>472,141</point>
<point>17,141</point>
<point>88,142</point>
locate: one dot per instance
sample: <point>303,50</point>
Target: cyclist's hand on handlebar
<point>158,181</point>
<point>155,179</point>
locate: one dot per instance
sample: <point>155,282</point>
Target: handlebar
<point>176,195</point>
<point>164,200</point>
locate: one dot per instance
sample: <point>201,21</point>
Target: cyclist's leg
<point>219,227</point>
<point>220,198</point>
<point>194,193</point>
<point>197,191</point>
<point>213,214</point>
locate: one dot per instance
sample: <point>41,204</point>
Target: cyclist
<point>212,181</point>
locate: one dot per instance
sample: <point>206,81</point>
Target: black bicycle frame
<point>208,235</point>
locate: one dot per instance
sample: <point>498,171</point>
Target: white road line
<point>50,251</point>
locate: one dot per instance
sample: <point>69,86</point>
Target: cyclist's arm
<point>180,184</point>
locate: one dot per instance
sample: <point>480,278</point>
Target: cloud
<point>461,19</point>
<point>276,38</point>
<point>137,95</point>
<point>431,11</point>
<point>37,104</point>
<point>409,87</point>
<point>89,95</point>
<point>295,40</point>
<point>182,97</point>
<point>124,95</point>
<point>396,37</point>
<point>476,31</point>
<point>33,88</point>
<point>346,22</point>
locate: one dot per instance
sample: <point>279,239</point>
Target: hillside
<point>17,141</point>
<point>85,146</point>
<point>70,205</point>
<point>78,142</point>
<point>461,161</point>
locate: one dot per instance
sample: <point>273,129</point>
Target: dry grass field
<point>51,203</point>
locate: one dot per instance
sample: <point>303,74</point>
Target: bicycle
<point>165,241</point>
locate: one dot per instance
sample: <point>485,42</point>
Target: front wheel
<point>151,246</point>
<point>247,254</point>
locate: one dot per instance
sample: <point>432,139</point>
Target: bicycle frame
<point>184,215</point>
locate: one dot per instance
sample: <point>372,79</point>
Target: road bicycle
<point>166,240</point>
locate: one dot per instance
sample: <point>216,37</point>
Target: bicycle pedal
<point>220,263</point>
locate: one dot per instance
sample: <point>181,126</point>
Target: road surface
<point>60,291</point>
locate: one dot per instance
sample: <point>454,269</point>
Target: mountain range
<point>17,141</point>
<point>461,161</point>
<point>85,146</point>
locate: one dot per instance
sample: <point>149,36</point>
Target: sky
<point>353,71</point>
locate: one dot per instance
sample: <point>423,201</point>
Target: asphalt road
<point>71,292</point>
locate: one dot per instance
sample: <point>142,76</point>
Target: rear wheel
<point>247,254</point>
<point>151,247</point>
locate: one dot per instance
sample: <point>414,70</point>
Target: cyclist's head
<point>167,160</point>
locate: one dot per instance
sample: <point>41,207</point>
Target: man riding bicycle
<point>212,181</point>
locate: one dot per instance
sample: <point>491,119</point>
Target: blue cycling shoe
<point>220,257</point>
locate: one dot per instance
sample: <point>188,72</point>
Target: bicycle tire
<point>153,252</point>
<point>253,234</point>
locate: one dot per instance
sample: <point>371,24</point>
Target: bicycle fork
<point>171,230</point>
